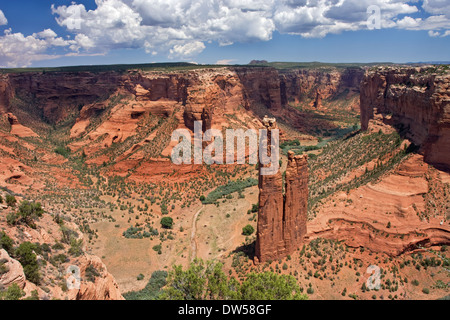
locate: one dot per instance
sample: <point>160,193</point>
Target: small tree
<point>10,200</point>
<point>29,211</point>
<point>28,260</point>
<point>14,292</point>
<point>248,230</point>
<point>167,222</point>
<point>6,242</point>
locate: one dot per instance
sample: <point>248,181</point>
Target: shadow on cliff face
<point>247,250</point>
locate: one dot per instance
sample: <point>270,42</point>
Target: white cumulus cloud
<point>3,20</point>
<point>17,50</point>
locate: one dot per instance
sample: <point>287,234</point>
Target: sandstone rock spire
<point>281,218</point>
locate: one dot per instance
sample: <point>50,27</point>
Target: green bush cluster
<point>203,281</point>
<point>27,258</point>
<point>152,290</point>
<point>230,187</point>
<point>28,212</point>
<point>10,200</point>
<point>6,243</point>
<point>248,230</point>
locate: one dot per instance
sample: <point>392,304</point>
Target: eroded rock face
<point>104,287</point>
<point>282,218</point>
<point>316,84</point>
<point>5,93</point>
<point>416,101</point>
<point>13,271</point>
<point>296,201</point>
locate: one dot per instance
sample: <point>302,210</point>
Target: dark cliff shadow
<point>247,250</point>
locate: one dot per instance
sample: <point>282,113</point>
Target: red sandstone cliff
<point>414,100</point>
<point>282,218</point>
<point>300,84</point>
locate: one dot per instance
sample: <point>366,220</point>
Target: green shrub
<point>167,222</point>
<point>140,277</point>
<point>157,248</point>
<point>248,230</point>
<point>76,247</point>
<point>10,200</point>
<point>426,290</point>
<point>3,268</point>
<point>68,235</point>
<point>65,152</point>
<point>28,260</point>
<point>164,209</point>
<point>133,233</point>
<point>91,273</point>
<point>13,293</point>
<point>230,187</point>
<point>1,199</point>
<point>12,218</point>
<point>152,290</point>
<point>58,246</point>
<point>28,211</point>
<point>6,242</point>
<point>34,295</point>
<point>60,258</point>
<point>271,286</point>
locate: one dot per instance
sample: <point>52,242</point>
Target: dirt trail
<point>193,232</point>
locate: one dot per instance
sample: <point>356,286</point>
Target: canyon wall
<point>414,100</point>
<point>56,93</point>
<point>316,84</point>
<point>282,218</point>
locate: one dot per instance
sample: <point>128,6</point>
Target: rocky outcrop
<point>12,271</point>
<point>104,287</point>
<point>414,100</point>
<point>282,218</point>
<point>19,129</point>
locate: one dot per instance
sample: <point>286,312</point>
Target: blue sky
<point>60,32</point>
